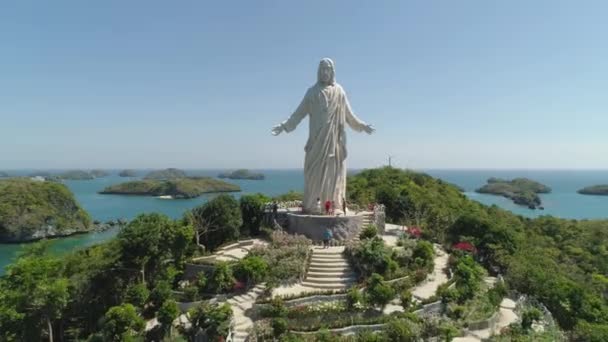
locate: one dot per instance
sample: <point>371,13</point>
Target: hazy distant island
<point>128,173</point>
<point>599,190</point>
<point>189,187</point>
<point>242,174</point>
<point>166,174</point>
<point>3,174</point>
<point>97,173</point>
<point>522,191</point>
<point>76,175</point>
<point>33,210</point>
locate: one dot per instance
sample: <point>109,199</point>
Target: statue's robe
<point>327,106</point>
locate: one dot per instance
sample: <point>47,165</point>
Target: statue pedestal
<point>314,226</point>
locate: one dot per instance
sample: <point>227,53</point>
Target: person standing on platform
<point>327,207</point>
<point>344,205</point>
<point>319,205</point>
<point>327,236</point>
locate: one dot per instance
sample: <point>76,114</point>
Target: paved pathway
<point>240,305</point>
<point>429,286</point>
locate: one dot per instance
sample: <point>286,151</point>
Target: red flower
<point>464,246</point>
<point>415,232</point>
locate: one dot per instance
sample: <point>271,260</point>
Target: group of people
<point>330,207</point>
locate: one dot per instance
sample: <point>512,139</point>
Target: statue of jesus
<point>324,165</point>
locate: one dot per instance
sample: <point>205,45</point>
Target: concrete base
<point>313,226</point>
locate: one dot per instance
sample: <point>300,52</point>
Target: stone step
<point>331,274</point>
<point>328,264</point>
<point>327,257</point>
<point>328,286</point>
<point>329,280</point>
<point>325,268</point>
<point>331,251</point>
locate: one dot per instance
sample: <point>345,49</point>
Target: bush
<point>252,269</point>
<point>279,326</point>
<point>222,278</point>
<point>160,293</point>
<point>191,294</point>
<point>406,299</point>
<point>137,294</point>
<point>370,231</point>
<point>354,298</point>
<point>424,252</point>
<point>167,313</point>
<point>377,292</point>
<point>201,282</point>
<point>121,322</point>
<point>398,330</point>
<point>324,335</point>
<point>371,256</point>
<point>529,316</point>
<point>286,253</point>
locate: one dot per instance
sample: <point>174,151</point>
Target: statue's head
<point>326,73</point>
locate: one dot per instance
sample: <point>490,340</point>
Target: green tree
<point>160,293</point>
<point>216,221</point>
<point>121,323</point>
<point>137,294</point>
<point>167,313</point>
<point>279,326</point>
<point>34,294</point>
<point>252,211</point>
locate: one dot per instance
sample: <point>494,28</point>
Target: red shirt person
<point>327,206</point>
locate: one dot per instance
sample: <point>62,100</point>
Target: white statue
<point>329,111</point>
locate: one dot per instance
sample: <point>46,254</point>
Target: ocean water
<point>563,201</point>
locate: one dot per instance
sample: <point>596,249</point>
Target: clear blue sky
<point>199,84</point>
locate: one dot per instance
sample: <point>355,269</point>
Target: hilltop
<point>242,174</point>
<point>166,174</point>
<point>31,210</point>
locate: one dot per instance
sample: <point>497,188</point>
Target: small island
<point>166,174</point>
<point>181,188</point>
<point>3,174</point>
<point>76,175</point>
<point>242,174</point>
<point>97,173</point>
<point>598,190</point>
<point>33,210</point>
<point>522,191</point>
<point>127,173</point>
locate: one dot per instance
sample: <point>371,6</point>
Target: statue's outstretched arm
<point>354,122</point>
<point>295,118</point>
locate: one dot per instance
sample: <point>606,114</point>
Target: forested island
<point>242,174</point>
<point>600,190</point>
<point>127,173</point>
<point>75,175</point>
<point>522,191</point>
<point>31,210</point>
<point>166,174</point>
<point>179,188</point>
<point>97,173</point>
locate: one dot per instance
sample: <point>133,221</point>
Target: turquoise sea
<point>563,201</point>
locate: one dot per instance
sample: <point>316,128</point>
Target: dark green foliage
<point>406,299</point>
<point>137,294</point>
<point>222,279</point>
<point>170,173</point>
<point>530,316</point>
<point>121,322</point>
<point>371,256</point>
<point>217,221</point>
<point>27,207</point>
<point>377,293</point>
<point>160,293</point>
<point>368,232</point>
<point>214,319</point>
<point>279,326</point>
<point>252,269</point>
<point>252,211</point>
<point>354,298</point>
<point>398,330</point>
<point>522,191</point>
<point>167,313</point>
<point>242,174</point>
<point>468,275</point>
<point>423,254</point>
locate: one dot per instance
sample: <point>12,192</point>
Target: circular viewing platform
<point>343,227</point>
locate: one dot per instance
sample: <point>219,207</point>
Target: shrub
<point>377,292</point>
<point>252,269</point>
<point>222,279</point>
<point>406,299</point>
<point>277,308</point>
<point>371,256</point>
<point>529,316</point>
<point>252,212</point>
<point>167,313</point>
<point>354,298</point>
<point>424,252</point>
<point>201,282</point>
<point>399,331</point>
<point>286,253</point>
<point>279,326</point>
<point>160,293</point>
<point>324,335</point>
<point>137,294</point>
<point>370,231</point>
<point>191,294</point>
<point>121,322</point>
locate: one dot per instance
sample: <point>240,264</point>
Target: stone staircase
<point>240,304</point>
<point>329,270</point>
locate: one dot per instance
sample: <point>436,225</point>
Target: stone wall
<point>314,226</point>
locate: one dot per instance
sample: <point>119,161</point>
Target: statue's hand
<point>276,130</point>
<point>369,129</point>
